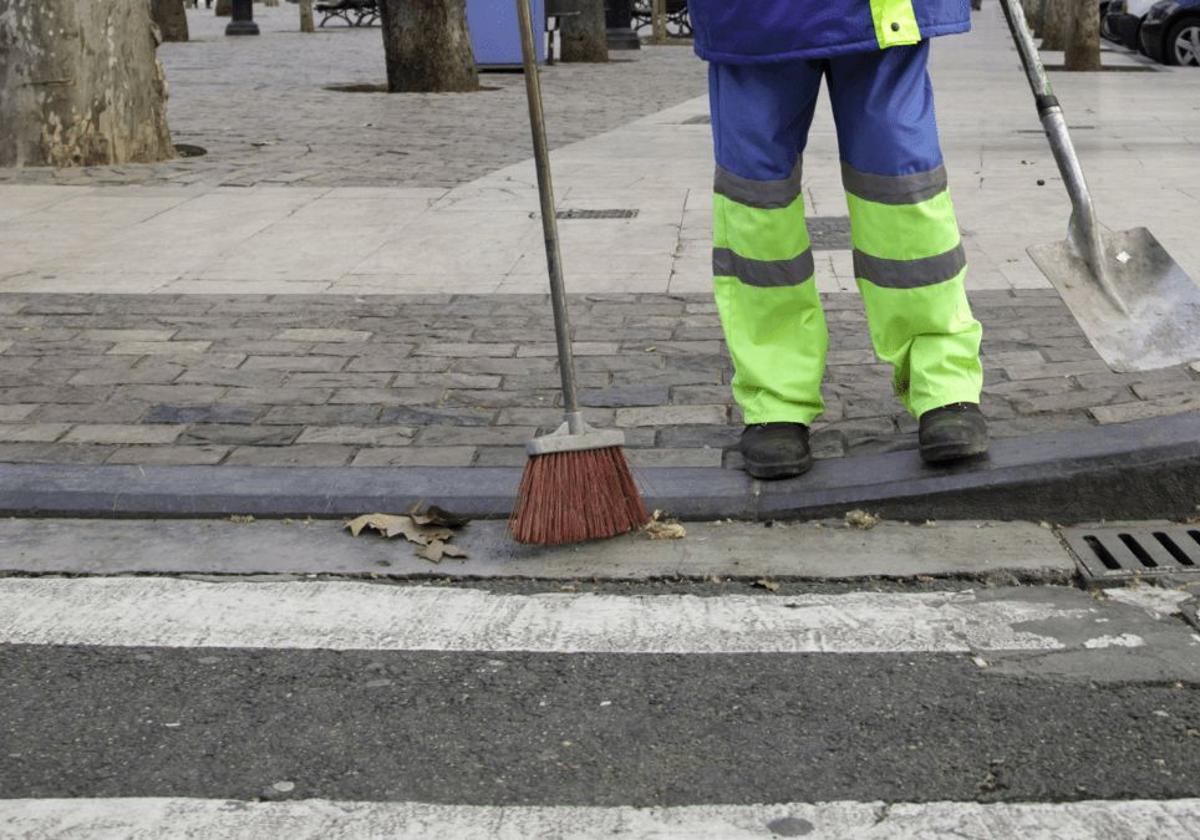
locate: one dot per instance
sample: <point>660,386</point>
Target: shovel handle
<point>1085,227</point>
<point>1031,59</point>
<point>1051,114</point>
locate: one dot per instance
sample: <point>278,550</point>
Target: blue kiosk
<point>494,33</point>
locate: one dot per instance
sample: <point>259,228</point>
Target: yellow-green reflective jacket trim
<point>895,23</point>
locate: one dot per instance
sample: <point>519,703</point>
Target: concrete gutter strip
<point>1145,469</point>
<point>736,550</point>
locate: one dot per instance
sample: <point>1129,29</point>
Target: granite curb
<point>1143,469</point>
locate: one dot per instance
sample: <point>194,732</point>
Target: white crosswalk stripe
<point>165,819</point>
<point>314,615</point>
<point>361,616</point>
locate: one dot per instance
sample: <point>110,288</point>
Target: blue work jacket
<point>762,31</point>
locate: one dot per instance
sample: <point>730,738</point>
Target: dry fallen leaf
<point>660,527</point>
<point>862,520</point>
<point>436,550</point>
<point>384,523</point>
<point>434,515</point>
<point>399,526</point>
<point>428,528</point>
<point>242,519</point>
<point>769,585</point>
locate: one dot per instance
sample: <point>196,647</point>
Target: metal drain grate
<point>1116,554</point>
<point>597,214</point>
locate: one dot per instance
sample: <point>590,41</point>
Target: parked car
<point>1123,20</point>
<point>1104,30</point>
<point>1171,32</point>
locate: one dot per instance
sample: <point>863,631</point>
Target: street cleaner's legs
<point>908,254</point>
<point>762,260</point>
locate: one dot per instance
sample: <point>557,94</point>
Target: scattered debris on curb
<point>430,528</point>
<point>862,520</point>
<point>661,527</point>
<point>767,584</point>
<point>242,519</point>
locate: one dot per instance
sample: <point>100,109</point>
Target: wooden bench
<point>354,12</point>
<point>679,23</point>
<point>554,15</point>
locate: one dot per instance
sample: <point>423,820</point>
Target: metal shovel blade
<point>1161,326</point>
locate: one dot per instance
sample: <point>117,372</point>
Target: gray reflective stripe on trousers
<point>764,195</point>
<point>765,273</point>
<point>910,274</point>
<point>894,189</point>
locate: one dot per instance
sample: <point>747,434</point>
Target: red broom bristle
<point>570,497</point>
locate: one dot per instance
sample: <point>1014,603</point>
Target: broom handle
<point>541,157</point>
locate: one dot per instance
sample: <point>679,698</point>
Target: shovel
<point>1137,306</point>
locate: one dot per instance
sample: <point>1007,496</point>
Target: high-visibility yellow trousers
<point>908,256</point>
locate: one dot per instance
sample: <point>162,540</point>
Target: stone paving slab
<point>465,380</point>
<point>476,231</point>
<point>262,110</point>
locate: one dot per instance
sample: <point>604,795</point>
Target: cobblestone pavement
<point>260,108</point>
<point>466,380</point>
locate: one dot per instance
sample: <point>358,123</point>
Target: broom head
<point>576,487</point>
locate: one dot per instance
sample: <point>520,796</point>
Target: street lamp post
<point>242,19</point>
<point>618,16</point>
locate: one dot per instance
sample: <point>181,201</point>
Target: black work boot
<point>776,450</point>
<point>952,433</point>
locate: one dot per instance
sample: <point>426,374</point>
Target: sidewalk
<point>166,319</point>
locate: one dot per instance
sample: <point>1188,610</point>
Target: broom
<point>577,485</point>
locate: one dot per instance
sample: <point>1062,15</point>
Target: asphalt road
<point>580,729</point>
<point>249,706</point>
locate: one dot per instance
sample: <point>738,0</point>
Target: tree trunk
<point>306,16</point>
<point>427,46</point>
<point>585,35</point>
<point>171,19</point>
<point>1054,24</point>
<point>1034,10</point>
<point>224,8</point>
<point>1083,38</point>
<point>80,84</point>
